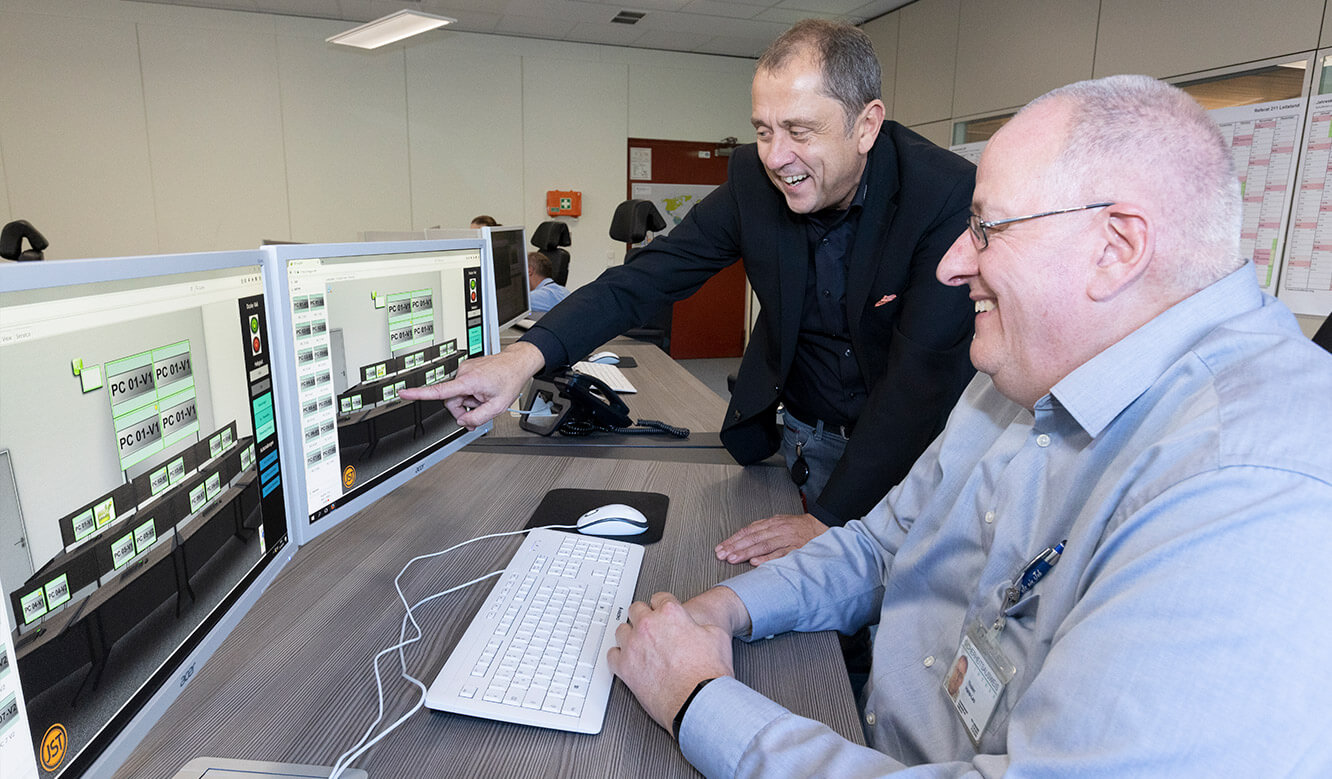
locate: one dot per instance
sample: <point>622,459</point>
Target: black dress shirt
<point>826,382</point>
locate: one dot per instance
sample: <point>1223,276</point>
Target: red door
<point>711,322</point>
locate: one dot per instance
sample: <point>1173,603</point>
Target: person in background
<point>485,220</point>
<point>1124,528</point>
<point>841,218</point>
<point>545,292</point>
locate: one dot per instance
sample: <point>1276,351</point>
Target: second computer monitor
<point>508,261</point>
<point>358,324</point>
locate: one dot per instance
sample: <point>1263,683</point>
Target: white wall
<point>74,133</point>
<point>4,191</point>
<point>1185,36</point>
<point>956,59</point>
<point>949,60</point>
<point>214,135</point>
<point>137,128</point>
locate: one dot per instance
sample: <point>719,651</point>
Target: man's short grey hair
<point>1137,137</point>
<point>851,73</point>
<point>540,264</point>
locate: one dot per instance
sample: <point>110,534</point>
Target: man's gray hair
<point>540,264</point>
<point>851,73</point>
<point>1137,137</point>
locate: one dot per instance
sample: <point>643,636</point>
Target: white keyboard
<point>611,374</point>
<point>535,654</point>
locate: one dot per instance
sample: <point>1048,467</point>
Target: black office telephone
<point>579,404</point>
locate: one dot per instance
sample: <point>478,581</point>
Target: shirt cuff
<point>720,724</point>
<point>767,597</point>
<point>552,349</point>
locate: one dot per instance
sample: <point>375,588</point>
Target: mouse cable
<point>359,748</point>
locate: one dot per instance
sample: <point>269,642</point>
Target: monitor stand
<point>228,768</point>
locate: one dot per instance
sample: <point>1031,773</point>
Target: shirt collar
<point>1099,389</point>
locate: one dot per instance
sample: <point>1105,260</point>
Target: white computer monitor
<point>357,323</point>
<point>507,247</point>
<point>140,472</point>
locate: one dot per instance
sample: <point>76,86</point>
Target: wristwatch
<point>679,715</point>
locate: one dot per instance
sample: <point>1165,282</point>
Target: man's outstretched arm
<point>485,386</point>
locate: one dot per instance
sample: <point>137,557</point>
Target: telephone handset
<point>579,404</point>
<point>592,401</point>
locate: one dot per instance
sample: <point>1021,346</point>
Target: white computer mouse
<point>606,358</point>
<point>615,519</point>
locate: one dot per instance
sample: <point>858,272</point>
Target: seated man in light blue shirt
<point>545,292</point>
<point>1113,561</point>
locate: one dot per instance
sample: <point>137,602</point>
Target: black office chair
<point>549,238</point>
<point>1324,335</point>
<point>11,241</point>
<point>632,221</point>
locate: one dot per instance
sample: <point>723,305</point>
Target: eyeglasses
<point>978,226</point>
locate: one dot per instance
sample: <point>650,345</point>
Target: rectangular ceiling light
<point>389,29</point>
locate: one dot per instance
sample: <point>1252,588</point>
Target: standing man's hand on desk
<point>485,386</point>
<point>768,539</point>
<point>666,648</point>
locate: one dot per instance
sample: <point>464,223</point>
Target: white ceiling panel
<point>738,28</point>
<point>535,27</point>
<point>842,8</point>
<point>729,10</point>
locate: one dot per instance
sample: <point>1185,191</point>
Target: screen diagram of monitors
<point>508,261</point>
<point>360,323</point>
<point>139,464</point>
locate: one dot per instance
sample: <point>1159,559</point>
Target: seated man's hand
<point>663,654</point>
<point>768,539</point>
<point>485,386</point>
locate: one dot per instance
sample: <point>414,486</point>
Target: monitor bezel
<point>301,529</point>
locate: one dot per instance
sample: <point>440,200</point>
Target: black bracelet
<point>679,715</point>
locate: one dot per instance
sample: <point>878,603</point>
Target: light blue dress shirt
<point>546,295</point>
<point>1186,631</point>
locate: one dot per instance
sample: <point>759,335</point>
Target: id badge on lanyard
<point>981,671</point>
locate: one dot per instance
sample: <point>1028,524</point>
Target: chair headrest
<point>551,235</point>
<point>1324,335</point>
<point>633,219</point>
<point>11,241</point>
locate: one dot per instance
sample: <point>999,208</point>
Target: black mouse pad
<point>627,362</point>
<point>565,506</point>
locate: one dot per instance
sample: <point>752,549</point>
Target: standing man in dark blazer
<point>841,219</point>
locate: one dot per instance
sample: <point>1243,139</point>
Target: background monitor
<point>141,494</point>
<point>508,265</point>
<point>356,324</point>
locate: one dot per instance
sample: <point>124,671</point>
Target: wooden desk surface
<point>293,681</point>
<point>666,392</point>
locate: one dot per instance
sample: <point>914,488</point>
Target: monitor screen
<point>140,474</point>
<point>508,262</point>
<point>358,323</point>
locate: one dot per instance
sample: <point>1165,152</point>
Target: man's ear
<point>1130,243</point>
<point>867,125</point>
